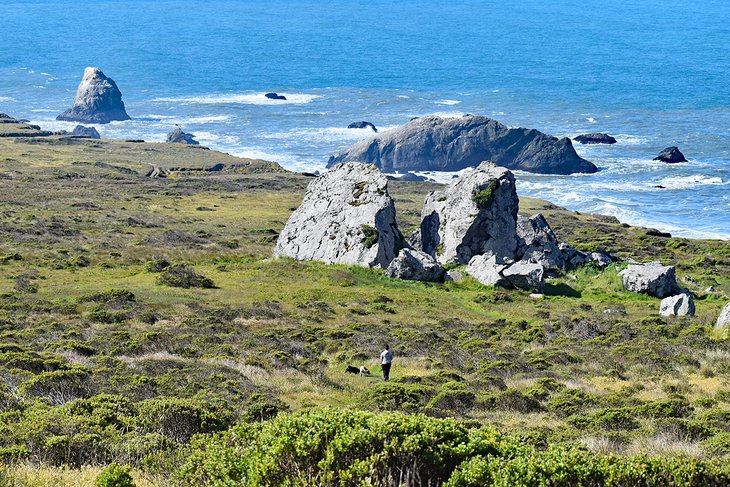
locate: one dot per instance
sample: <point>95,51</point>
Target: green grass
<point>276,334</point>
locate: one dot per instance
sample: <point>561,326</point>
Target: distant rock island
<point>451,144</point>
<point>595,138</point>
<point>274,96</point>
<point>98,100</point>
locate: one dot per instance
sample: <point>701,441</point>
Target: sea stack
<point>451,144</point>
<point>177,136</point>
<point>98,100</point>
<point>671,155</point>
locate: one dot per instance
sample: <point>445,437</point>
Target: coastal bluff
<point>450,144</point>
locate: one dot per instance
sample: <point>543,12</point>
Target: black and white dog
<point>362,370</point>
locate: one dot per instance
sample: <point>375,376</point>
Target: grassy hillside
<point>104,358</point>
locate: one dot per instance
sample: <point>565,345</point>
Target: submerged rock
<point>89,132</point>
<point>679,305</point>
<point>177,136</point>
<point>275,96</point>
<point>346,217</point>
<point>653,279</point>
<point>595,138</point>
<point>414,265</point>
<point>362,125</point>
<point>449,144</point>
<point>670,155</point>
<point>475,214</point>
<point>98,100</point>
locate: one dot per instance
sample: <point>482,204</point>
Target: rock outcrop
<point>538,244</point>
<point>275,96</point>
<point>88,132</point>
<point>346,217</point>
<point>177,136</point>
<point>450,144</point>
<point>98,100</point>
<point>414,265</point>
<point>475,214</point>
<point>487,269</point>
<point>724,319</point>
<point>524,275</point>
<point>653,279</point>
<point>362,125</point>
<point>671,155</point>
<point>679,305</point>
<point>492,270</point>
<point>595,138</point>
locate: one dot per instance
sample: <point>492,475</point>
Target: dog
<point>362,371</point>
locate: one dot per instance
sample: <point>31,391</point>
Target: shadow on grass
<point>561,290</point>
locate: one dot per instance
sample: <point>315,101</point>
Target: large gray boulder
<point>653,279</point>
<point>475,214</point>
<point>98,100</point>
<point>414,265</point>
<point>346,217</point>
<point>679,305</point>
<point>538,244</point>
<point>487,269</point>
<point>524,275</point>
<point>449,144</point>
<point>88,132</point>
<point>177,136</point>
<point>724,319</point>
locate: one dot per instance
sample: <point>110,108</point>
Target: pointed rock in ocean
<point>450,144</point>
<point>475,214</point>
<point>98,100</point>
<point>671,155</point>
<point>346,217</point>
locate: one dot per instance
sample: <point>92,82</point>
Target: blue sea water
<point>652,73</point>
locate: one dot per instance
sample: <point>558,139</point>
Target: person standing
<point>386,359</point>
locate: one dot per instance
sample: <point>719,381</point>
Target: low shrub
<point>184,276</point>
<point>114,476</point>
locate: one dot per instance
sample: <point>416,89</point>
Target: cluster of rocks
<point>659,281</point>
<point>348,217</point>
<point>450,144</point>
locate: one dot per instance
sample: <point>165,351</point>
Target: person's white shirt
<point>386,357</point>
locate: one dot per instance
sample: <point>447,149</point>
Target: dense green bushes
<point>354,448</point>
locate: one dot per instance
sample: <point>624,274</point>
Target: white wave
<point>203,120</point>
<point>628,139</point>
<point>403,96</point>
<point>448,102</point>
<point>243,99</point>
<point>211,138</point>
<point>591,120</point>
<point>46,74</point>
<point>5,98</point>
<point>686,182</point>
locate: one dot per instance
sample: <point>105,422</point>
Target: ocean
<point>651,73</point>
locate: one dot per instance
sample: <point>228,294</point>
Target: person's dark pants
<point>386,371</point>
